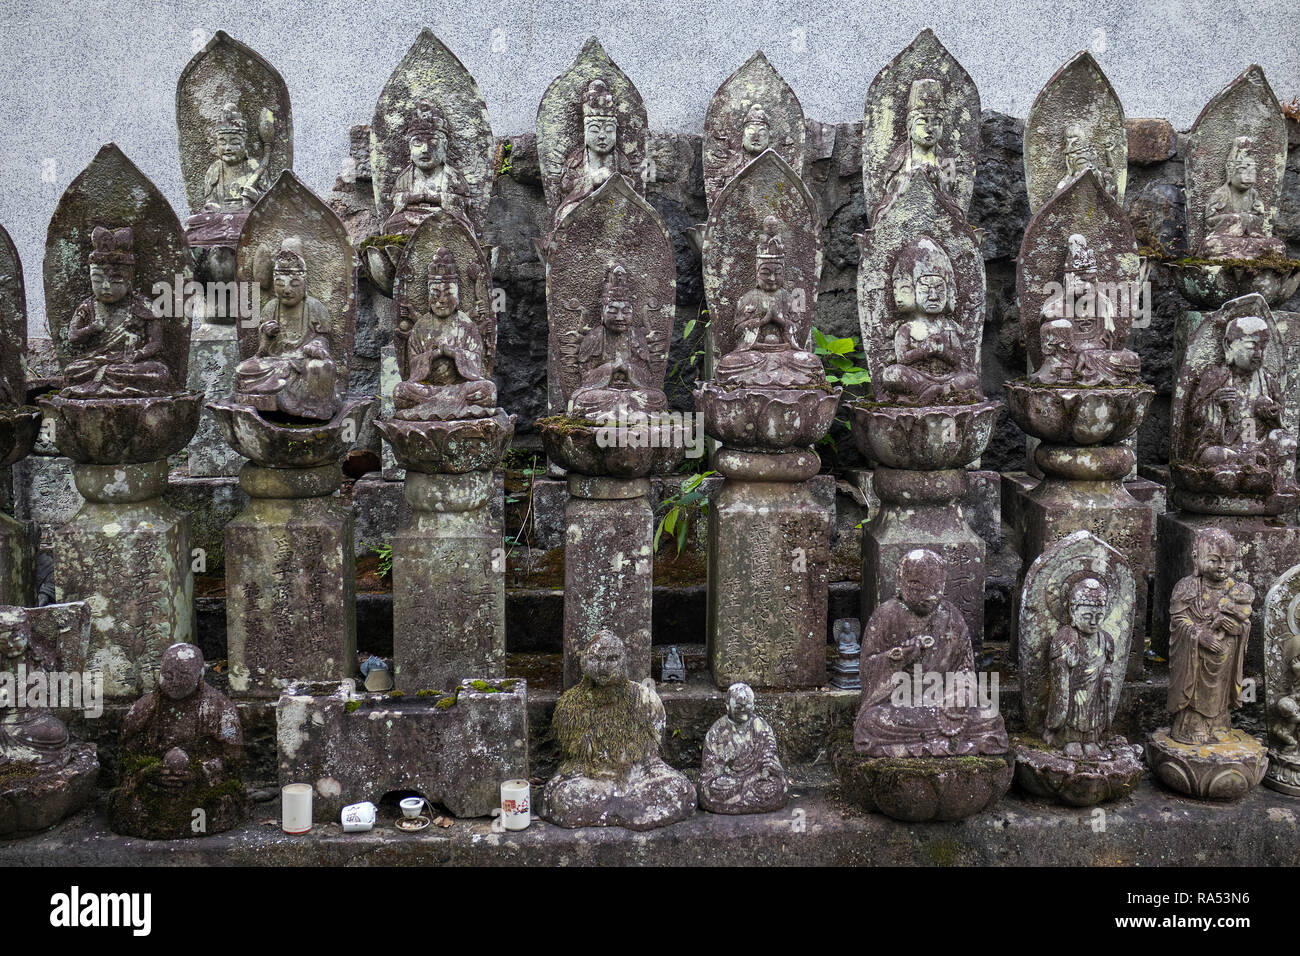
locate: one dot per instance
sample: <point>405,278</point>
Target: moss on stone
<point>352,706</point>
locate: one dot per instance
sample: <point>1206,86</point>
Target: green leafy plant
<point>681,509</point>
<point>506,150</point>
<point>385,552</point>
<point>838,357</point>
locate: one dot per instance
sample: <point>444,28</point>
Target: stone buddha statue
<point>115,336</point>
<point>588,166</point>
<point>1235,412</point>
<point>608,730</point>
<point>1082,672</point>
<point>235,180</point>
<point>768,353</point>
<point>1207,641</point>
<point>430,181</point>
<point>920,628</point>
<point>181,750</point>
<point>755,136</point>
<point>292,371</point>
<point>1080,155</point>
<point>613,359</point>
<point>930,366</point>
<point>1097,343</point>
<point>28,735</point>
<point>741,771</point>
<point>1236,223</point>
<point>920,151</point>
<point>444,356</point>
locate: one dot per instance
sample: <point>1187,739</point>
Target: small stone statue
<point>673,668</point>
<point>598,158</point>
<point>844,672</point>
<point>768,353</point>
<point>28,735</point>
<point>755,136</point>
<point>921,151</point>
<point>608,729</point>
<point>1209,624</point>
<point>430,181</point>
<point>613,357</point>
<point>1080,154</point>
<point>236,180</point>
<point>292,372</point>
<point>445,377</point>
<point>930,362</point>
<point>921,628</point>
<point>1236,222</point>
<point>1080,341</point>
<point>180,764</point>
<point>114,339</point>
<point>1084,674</point>
<point>1235,413</point>
<point>741,771</point>
<point>1282,682</point>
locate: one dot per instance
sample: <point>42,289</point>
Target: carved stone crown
<point>443,267</point>
<point>232,121</point>
<point>598,100</point>
<point>426,119</point>
<point>617,286</point>
<point>924,257</point>
<point>1091,592</point>
<point>1243,148</point>
<point>925,94</point>
<point>770,244</point>
<point>111,247</point>
<point>755,116</point>
<point>289,258</point>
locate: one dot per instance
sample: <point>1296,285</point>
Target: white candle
<point>295,808</point>
<point>516,807</point>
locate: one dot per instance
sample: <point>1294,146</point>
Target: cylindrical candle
<point>295,808</point>
<point>516,808</point>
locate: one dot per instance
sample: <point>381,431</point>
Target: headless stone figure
<point>116,338</point>
<point>608,730</point>
<point>768,353</point>
<point>931,366</point>
<point>921,627</point>
<point>614,358</point>
<point>444,356</point>
<point>182,750</point>
<point>741,771</point>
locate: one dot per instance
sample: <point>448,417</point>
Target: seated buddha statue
<point>1237,224</point>
<point>768,353</point>
<point>430,181</point>
<point>444,356</point>
<point>1097,343</point>
<point>931,366</point>
<point>920,627</point>
<point>740,770</point>
<point>114,335</point>
<point>292,372</point>
<point>614,358</point>
<point>235,180</point>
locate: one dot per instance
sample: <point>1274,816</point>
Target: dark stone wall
<point>1000,208</point>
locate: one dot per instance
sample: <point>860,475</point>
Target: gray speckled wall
<point>79,75</point>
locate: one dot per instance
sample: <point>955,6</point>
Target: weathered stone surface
<point>290,592</point>
<point>45,493</point>
<point>591,127</point>
<point>453,748</point>
<point>1075,123</point>
<point>17,562</point>
<point>922,112</point>
<point>126,553</point>
<point>214,353</point>
<point>449,602</point>
<point>921,789</point>
<point>752,110</point>
<point>741,771</point>
<point>609,730</point>
<point>769,552</point>
<point>13,328</point>
<point>181,759</point>
<point>608,569</point>
<point>210,504</point>
<point>1226,770</point>
<point>1151,140</point>
<point>1281,682</point>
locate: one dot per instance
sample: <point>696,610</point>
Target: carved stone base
<point>454,750</point>
<point>769,549</point>
<point>127,554</point>
<point>17,563</point>
<point>32,799</point>
<point>652,795</point>
<point>919,789</point>
<point>143,809</point>
<point>290,583</point>
<point>608,569</point>
<point>449,599</point>
<point>1283,774</point>
<point>1078,782</point>
<point>922,509</point>
<point>1226,770</point>
<point>1266,547</point>
<point>214,353</point>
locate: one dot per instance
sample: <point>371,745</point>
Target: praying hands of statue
<point>174,772</point>
<point>911,648</point>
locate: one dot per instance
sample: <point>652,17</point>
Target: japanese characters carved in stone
<point>609,729</point>
<point>741,771</point>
